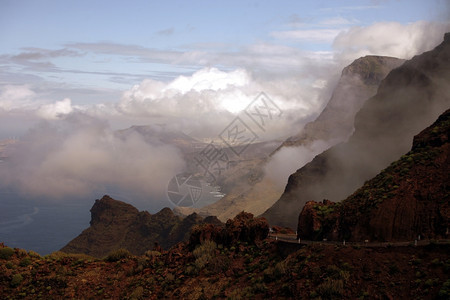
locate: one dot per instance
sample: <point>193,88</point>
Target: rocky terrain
<point>409,198</point>
<point>115,224</point>
<point>232,262</point>
<point>247,187</point>
<point>409,99</point>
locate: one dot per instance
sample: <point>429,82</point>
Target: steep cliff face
<point>115,224</point>
<point>359,81</point>
<point>410,98</point>
<point>249,190</point>
<point>409,198</point>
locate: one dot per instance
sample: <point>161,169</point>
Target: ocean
<point>39,225</point>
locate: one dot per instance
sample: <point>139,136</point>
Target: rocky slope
<point>246,186</point>
<point>359,81</point>
<point>410,98</point>
<point>267,269</point>
<point>409,198</point>
<point>115,224</point>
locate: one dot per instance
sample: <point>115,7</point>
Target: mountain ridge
<point>406,201</point>
<point>409,99</point>
<point>115,224</point>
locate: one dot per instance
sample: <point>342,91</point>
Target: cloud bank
<point>81,156</point>
<point>389,39</point>
<point>72,148</point>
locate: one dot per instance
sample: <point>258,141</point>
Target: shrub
<point>444,292</point>
<point>6,253</point>
<point>204,254</point>
<point>331,288</point>
<point>21,253</point>
<point>34,254</point>
<point>280,269</point>
<point>137,293</point>
<point>16,280</point>
<point>152,254</point>
<point>118,255</point>
<point>190,270</point>
<point>25,262</point>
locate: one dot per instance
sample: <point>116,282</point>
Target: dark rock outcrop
<point>409,198</point>
<point>115,224</point>
<point>243,228</point>
<point>410,98</point>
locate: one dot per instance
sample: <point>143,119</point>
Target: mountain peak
<point>116,224</point>
<point>410,98</point>
<point>107,210</point>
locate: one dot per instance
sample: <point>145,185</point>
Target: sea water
<point>39,225</point>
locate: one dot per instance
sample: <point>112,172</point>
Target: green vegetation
<point>331,288</point>
<point>204,254</point>
<point>118,255</point>
<point>6,253</point>
<point>152,254</point>
<point>16,280</point>
<point>444,292</point>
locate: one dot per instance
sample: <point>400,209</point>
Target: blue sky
<point>112,44</point>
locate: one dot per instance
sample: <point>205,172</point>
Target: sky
<point>72,72</point>
<point>93,51</point>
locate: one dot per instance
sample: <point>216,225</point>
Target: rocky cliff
<point>409,198</point>
<point>410,98</point>
<point>359,81</point>
<point>115,224</point>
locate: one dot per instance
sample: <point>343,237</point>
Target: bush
<point>280,269</point>
<point>25,262</point>
<point>137,293</point>
<point>204,254</point>
<point>16,280</point>
<point>34,254</point>
<point>21,253</point>
<point>9,265</point>
<point>6,253</point>
<point>118,255</point>
<point>445,290</point>
<point>331,288</point>
<point>152,254</point>
<point>207,248</point>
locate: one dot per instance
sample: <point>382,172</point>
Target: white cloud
<point>209,99</point>
<point>80,155</point>
<point>55,110</point>
<point>205,90</point>
<point>289,159</point>
<point>209,79</point>
<point>15,97</point>
<point>390,39</point>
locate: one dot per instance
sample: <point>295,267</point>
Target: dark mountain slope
<point>407,199</point>
<point>410,98</point>
<point>115,224</point>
